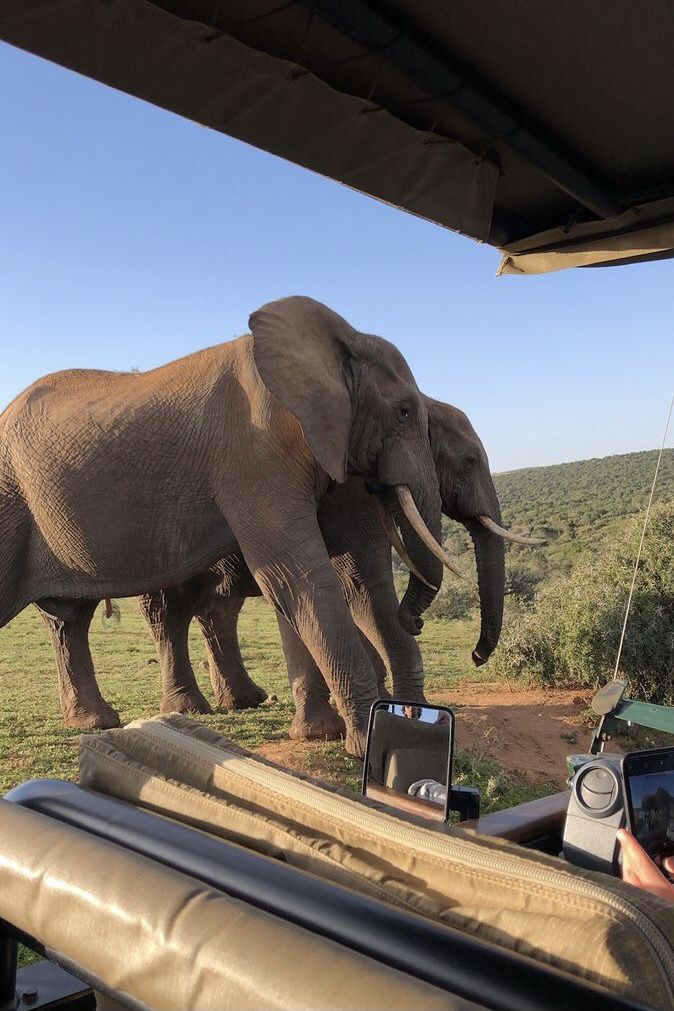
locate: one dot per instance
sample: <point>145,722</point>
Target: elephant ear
<point>302,352</point>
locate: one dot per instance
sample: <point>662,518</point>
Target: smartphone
<point>649,799</point>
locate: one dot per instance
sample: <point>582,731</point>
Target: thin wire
<point>641,543</point>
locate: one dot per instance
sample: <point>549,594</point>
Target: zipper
<point>421,841</point>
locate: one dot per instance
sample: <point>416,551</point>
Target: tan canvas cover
<point>642,233</point>
<point>170,942</point>
<point>501,120</point>
<point>270,102</point>
<point>588,924</point>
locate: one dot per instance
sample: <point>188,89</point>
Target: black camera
<point>611,792</point>
<point>595,813</point>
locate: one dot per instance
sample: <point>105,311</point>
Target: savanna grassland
<point>574,505</point>
<point>34,742</point>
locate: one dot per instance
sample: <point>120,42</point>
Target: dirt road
<point>526,731</point>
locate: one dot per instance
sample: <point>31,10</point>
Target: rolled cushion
<point>585,923</point>
<point>161,938</point>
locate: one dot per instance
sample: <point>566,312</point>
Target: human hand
<point>641,871</point>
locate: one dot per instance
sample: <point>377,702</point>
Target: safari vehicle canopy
<point>545,129</point>
<point>548,132</point>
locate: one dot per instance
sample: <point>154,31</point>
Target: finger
<point>638,868</point>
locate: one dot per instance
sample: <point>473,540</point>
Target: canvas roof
<point>543,128</point>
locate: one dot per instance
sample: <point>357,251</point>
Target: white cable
<point>641,543</point>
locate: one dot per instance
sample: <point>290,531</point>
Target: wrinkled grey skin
<point>360,554</point>
<point>114,484</point>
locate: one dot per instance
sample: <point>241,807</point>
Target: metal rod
<point>434,73</point>
<point>643,537</point>
<point>9,952</point>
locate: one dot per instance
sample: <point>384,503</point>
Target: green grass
<point>34,742</point>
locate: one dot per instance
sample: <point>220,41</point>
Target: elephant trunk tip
<point>412,623</point>
<point>478,659</point>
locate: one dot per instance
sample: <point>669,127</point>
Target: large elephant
<point>116,484</point>
<point>350,522</point>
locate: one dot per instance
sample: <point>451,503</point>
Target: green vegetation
<point>34,742</point>
<point>565,600</point>
<point>576,505</point>
<point>570,635</point>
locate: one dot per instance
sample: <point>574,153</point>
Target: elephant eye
<point>470,460</point>
<point>404,412</point>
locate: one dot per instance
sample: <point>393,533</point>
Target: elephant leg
<point>314,717</point>
<point>375,611</point>
<point>82,704</point>
<point>379,666</point>
<point>293,571</point>
<point>168,613</point>
<point>233,686</point>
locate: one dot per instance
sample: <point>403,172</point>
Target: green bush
<point>524,573</point>
<point>455,600</point>
<point>569,635</point>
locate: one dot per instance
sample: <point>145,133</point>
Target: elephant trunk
<point>490,562</point>
<point>416,599</point>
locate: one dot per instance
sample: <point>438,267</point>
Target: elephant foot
<point>356,741</point>
<point>329,726</point>
<point>191,701</point>
<point>102,717</point>
<point>249,697</point>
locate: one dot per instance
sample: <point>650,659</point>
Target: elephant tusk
<point>416,522</point>
<point>508,535</point>
<point>397,542</point>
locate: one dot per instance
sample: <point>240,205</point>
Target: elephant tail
<point>111,610</point>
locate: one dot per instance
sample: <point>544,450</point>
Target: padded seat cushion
<point>167,941</point>
<point>585,923</point>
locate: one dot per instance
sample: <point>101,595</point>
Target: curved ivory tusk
<point>416,522</point>
<point>507,535</point>
<point>397,542</point>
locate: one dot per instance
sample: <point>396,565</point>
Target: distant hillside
<point>575,505</point>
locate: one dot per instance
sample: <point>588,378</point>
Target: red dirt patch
<point>527,731</point>
<point>290,754</point>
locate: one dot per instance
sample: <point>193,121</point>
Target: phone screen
<point>649,796</point>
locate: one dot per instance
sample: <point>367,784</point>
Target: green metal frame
<point>612,706</point>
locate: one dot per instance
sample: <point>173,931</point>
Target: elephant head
<point>360,412</point>
<point>468,496</point>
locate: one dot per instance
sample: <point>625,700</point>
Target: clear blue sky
<point>129,237</point>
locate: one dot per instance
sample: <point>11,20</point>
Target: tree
<point>569,636</point>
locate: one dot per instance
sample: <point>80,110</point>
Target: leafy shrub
<point>524,574</point>
<point>455,600</point>
<point>569,636</point>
